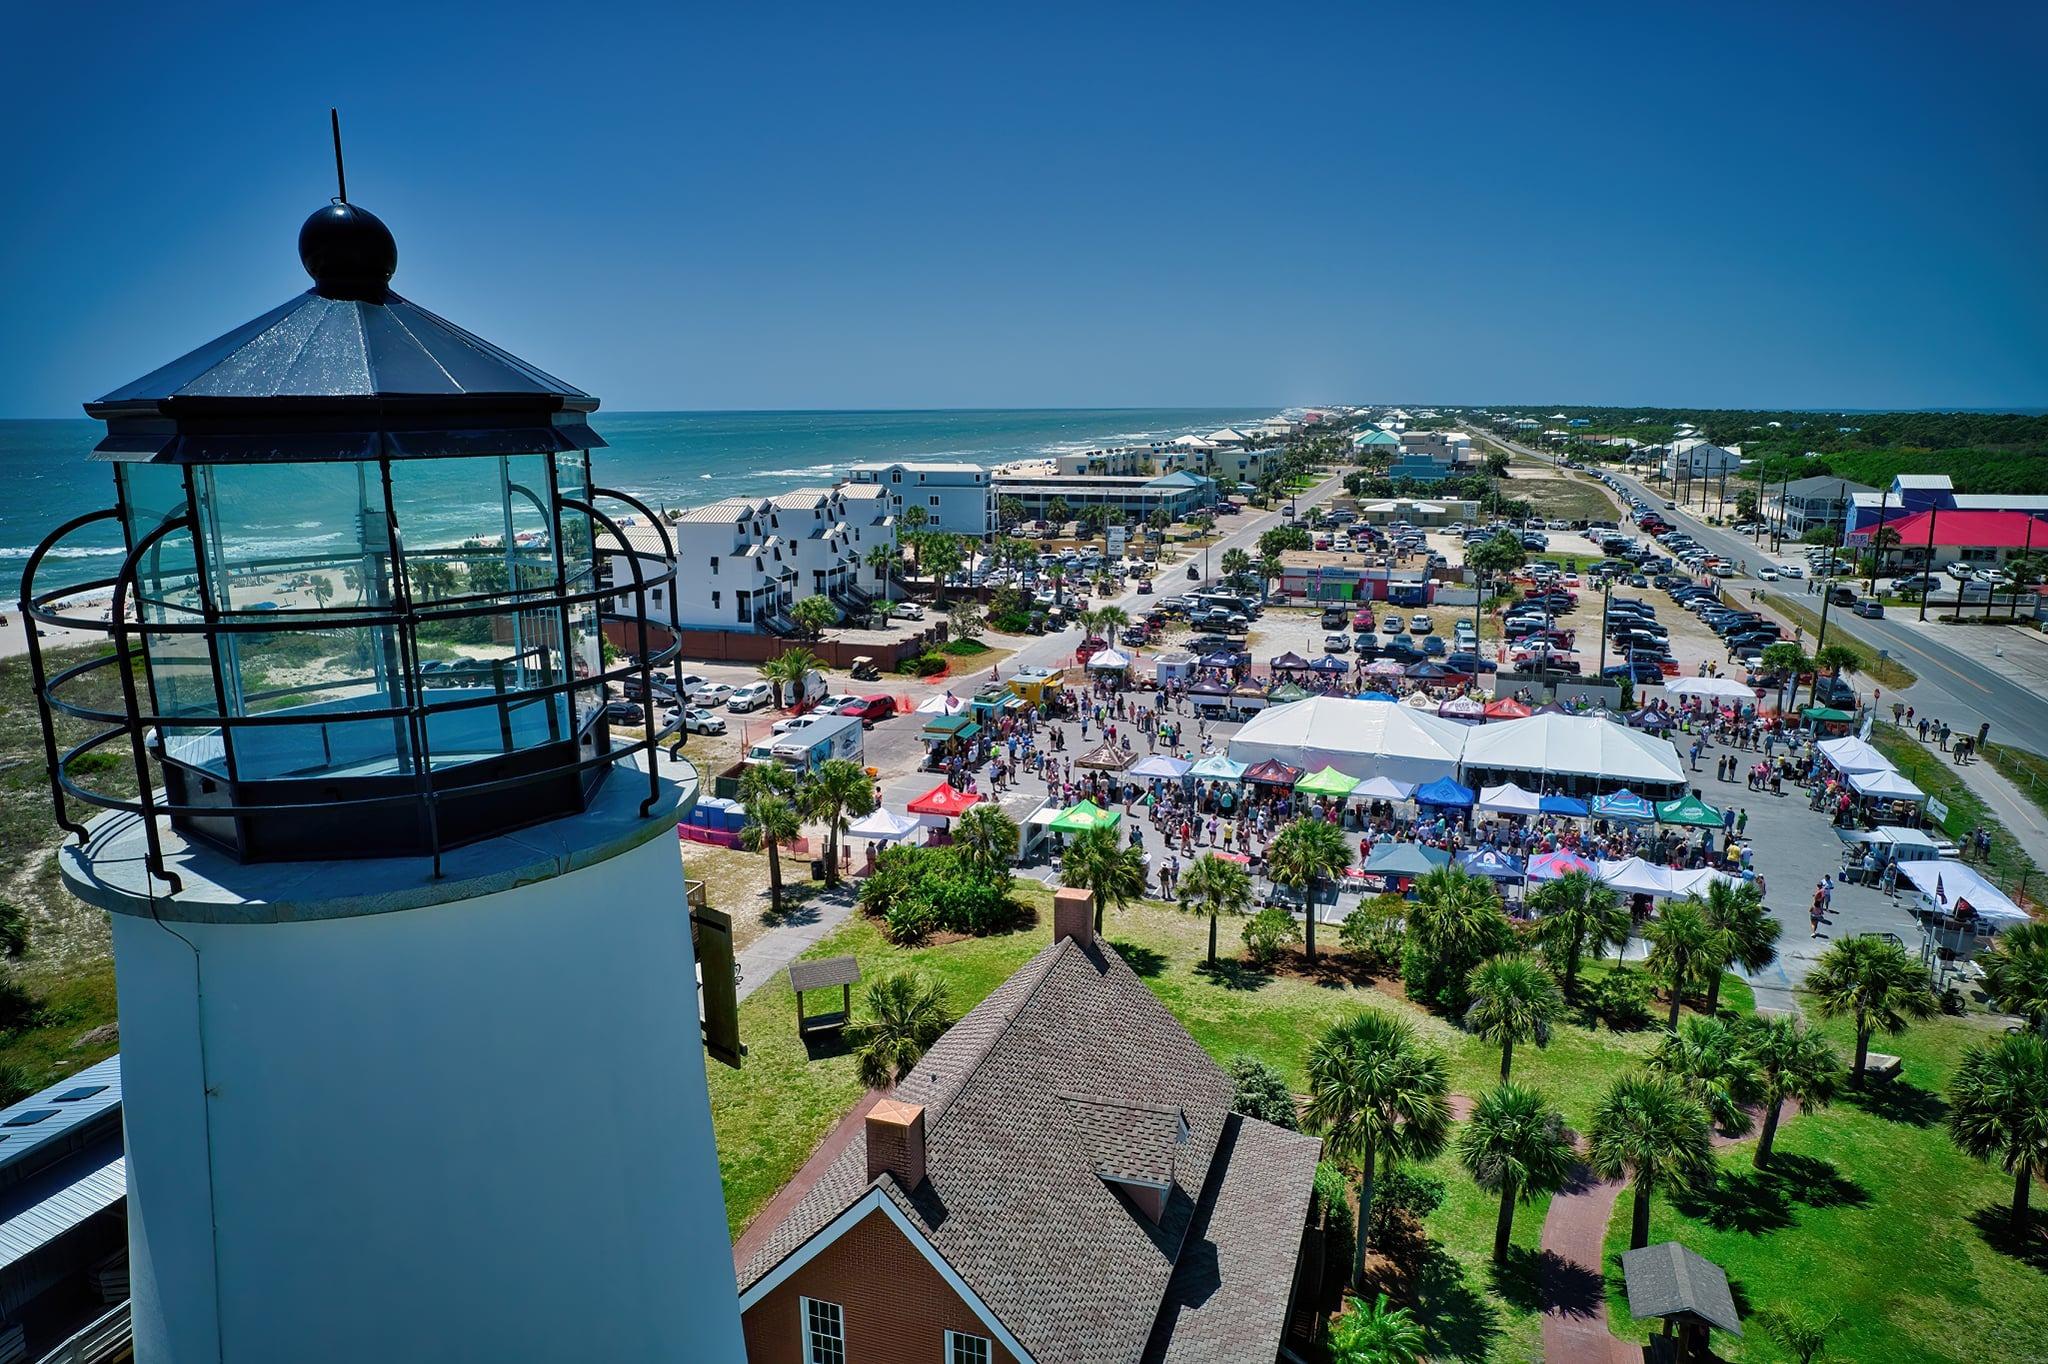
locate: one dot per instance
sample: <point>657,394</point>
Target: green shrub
<point>1268,933</point>
<point>1623,998</point>
<point>1262,1092</point>
<point>18,1007</point>
<point>1402,1196</point>
<point>920,891</point>
<point>927,664</point>
<point>909,921</point>
<point>1010,622</point>
<point>1372,932</point>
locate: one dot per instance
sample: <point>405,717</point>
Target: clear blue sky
<point>761,205</point>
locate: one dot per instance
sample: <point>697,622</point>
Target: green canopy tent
<point>1077,819</point>
<point>1827,715</point>
<point>1286,692</point>
<point>1328,782</point>
<point>1689,810</point>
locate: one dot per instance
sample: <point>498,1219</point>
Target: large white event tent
<point>1359,738</point>
<point>1851,754</point>
<point>1886,784</point>
<point>1574,746</point>
<point>1948,883</point>
<point>1713,688</point>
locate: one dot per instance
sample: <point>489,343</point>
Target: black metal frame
<point>42,608</point>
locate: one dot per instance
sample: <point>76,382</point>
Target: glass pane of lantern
<point>167,589</point>
<point>322,677</point>
<point>517,653</point>
<point>474,526</point>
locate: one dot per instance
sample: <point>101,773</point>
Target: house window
<point>935,499</point>
<point>714,601</point>
<point>714,563</point>
<point>824,1332</point>
<point>962,1349</point>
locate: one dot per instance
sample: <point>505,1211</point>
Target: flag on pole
<point>1940,895</point>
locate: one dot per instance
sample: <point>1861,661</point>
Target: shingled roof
<point>1068,1079</point>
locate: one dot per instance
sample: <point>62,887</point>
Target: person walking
<point>1817,911</point>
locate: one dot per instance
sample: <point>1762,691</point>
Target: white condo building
<point>955,497</point>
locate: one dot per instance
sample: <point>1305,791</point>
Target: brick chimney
<point>896,1141</point>
<point>1073,915</point>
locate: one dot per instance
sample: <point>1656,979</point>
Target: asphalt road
<point>1952,686</point>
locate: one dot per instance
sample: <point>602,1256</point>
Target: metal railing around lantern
<point>134,722</point>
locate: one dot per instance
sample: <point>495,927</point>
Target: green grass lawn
<point>1886,672</point>
<point>1870,1212</point>
<point>2026,770</point>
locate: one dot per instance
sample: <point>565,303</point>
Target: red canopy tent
<point>1506,708</point>
<point>943,800</point>
<point>1273,772</point>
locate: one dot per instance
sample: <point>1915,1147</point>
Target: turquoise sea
<point>670,459</point>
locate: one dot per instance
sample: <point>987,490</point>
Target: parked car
<point>1337,644</point>
<point>907,610</point>
<point>1843,596</point>
<point>1421,624</point>
<point>698,720</point>
<point>713,693</point>
<point>870,708</point>
<point>753,696</point>
<point>625,713</point>
<point>1467,662</point>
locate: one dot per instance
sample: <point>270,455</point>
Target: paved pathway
<point>802,928</point>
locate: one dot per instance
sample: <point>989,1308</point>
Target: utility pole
<point>1876,534</point>
<point>1927,568</point>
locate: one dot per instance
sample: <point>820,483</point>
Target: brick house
<point>1060,1180</point>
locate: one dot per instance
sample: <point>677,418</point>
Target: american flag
<point>1940,895</point>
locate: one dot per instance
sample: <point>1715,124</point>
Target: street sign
<point>1938,810</point>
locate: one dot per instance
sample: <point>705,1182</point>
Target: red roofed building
<point>1978,538</point>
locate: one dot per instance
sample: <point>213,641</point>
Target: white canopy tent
<point>945,703</point>
<point>1948,884</point>
<point>1108,660</point>
<point>1851,754</point>
<point>884,826</point>
<point>1636,876</point>
<point>1361,739</point>
<point>1574,745</point>
<point>1696,882</point>
<point>1710,688</point>
<point>1383,788</point>
<point>1510,799</point>
<point>1885,784</point>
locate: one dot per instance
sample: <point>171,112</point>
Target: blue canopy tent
<point>1326,664</point>
<point>1445,791</point>
<point>1376,696</point>
<point>1492,862</point>
<point>1563,805</point>
<point>1405,859</point>
<point>1159,765</point>
<point>1219,660</point>
<point>1217,767</point>
<point>1624,805</point>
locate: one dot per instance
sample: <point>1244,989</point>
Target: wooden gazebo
<point>843,972</point>
<point>1688,1292</point>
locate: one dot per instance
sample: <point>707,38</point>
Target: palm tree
<point>813,615</point>
<point>1236,563</point>
<point>1790,1061</point>
<point>907,1012</point>
<point>1377,1093</point>
<point>1578,913</point>
<point>1098,861</point>
<point>1110,619</point>
<point>1376,1334</point>
<point>1009,511</point>
<point>913,519</point>
<point>1457,920</point>
<point>1790,661</point>
<point>1058,512</point>
<point>1218,886</point>
<point>839,788</point>
<point>787,670</point>
<point>942,554</point>
<point>1681,944</point>
<point>1514,999</point>
<point>1649,1131</point>
<point>986,840</point>
<point>1515,1144</point>
<point>1711,1059</point>
<point>1798,1332</point>
<point>772,820</point>
<point>1303,853</point>
<point>1874,983</point>
<point>1745,934</point>
<point>2016,973</point>
<point>883,559</point>
<point>1270,568</point>
<point>1998,1108</point>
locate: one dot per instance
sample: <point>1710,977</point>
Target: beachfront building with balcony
<point>1812,503</point>
<point>1178,494</point>
<point>959,498</point>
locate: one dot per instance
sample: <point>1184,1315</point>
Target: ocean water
<point>668,459</point>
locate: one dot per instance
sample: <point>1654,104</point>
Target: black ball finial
<point>349,252</point>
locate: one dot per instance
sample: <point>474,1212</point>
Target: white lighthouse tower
<point>413,1039</point>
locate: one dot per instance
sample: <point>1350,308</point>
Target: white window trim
<point>952,1336</point>
<point>803,1326</point>
<point>875,1200</point>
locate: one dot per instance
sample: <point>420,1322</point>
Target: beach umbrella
<point>1405,859</point>
<point>1689,810</point>
<point>1383,788</point>
<point>1506,708</point>
<point>1289,662</point>
<point>1216,767</point>
<point>1444,791</point>
<point>1273,772</point>
<point>1326,664</point>
<point>1160,765</point>
<point>1079,819</point>
<point>1462,708</point>
<point>1624,805</point>
<point>943,800</point>
<point>1328,782</point>
<point>882,826</point>
<point>1553,865</point>
<point>1563,805</point>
